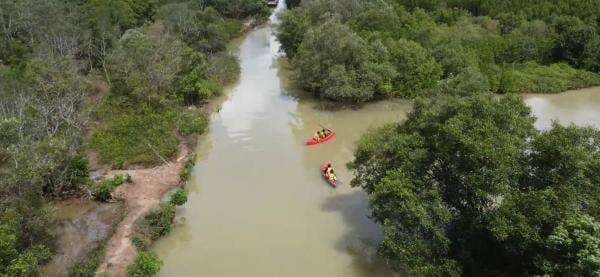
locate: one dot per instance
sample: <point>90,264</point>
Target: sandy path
<point>139,197</point>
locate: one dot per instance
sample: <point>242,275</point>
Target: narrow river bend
<point>258,205</point>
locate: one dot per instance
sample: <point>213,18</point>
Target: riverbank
<point>140,196</point>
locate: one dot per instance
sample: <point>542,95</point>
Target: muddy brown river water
<point>258,205</point>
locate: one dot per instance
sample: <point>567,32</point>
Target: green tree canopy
<point>468,185</point>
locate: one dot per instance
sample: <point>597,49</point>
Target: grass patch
<point>535,78</point>
<point>143,139</point>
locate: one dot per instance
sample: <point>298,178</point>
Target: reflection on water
<point>258,205</point>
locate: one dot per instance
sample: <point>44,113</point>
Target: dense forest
<point>117,77</point>
<point>360,50</point>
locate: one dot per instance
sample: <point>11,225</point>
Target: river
<point>258,205</point>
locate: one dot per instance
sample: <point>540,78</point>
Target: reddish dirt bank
<point>139,197</point>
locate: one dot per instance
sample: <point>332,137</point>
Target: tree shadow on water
<point>361,239</point>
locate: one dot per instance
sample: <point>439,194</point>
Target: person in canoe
<point>317,136</point>
<point>329,173</point>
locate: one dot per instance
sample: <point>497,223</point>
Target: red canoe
<point>327,137</point>
<point>333,183</point>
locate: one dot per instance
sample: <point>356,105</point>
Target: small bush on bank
<point>194,86</point>
<point>158,222</point>
<point>153,225</point>
<point>179,197</point>
<point>200,27</point>
<point>139,243</point>
<point>145,264</point>
<point>186,171</point>
<point>103,189</point>
<point>240,8</point>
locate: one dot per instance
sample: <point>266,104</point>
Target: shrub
<point>179,197</point>
<point>327,46</point>
<point>468,82</point>
<point>194,89</point>
<point>186,171</point>
<point>417,69</point>
<point>78,171</point>
<point>335,63</point>
<point>192,123</point>
<point>145,264</point>
<point>139,242</point>
<point>27,263</point>
<point>453,57</point>
<point>144,67</point>
<point>156,223</point>
<point>207,89</point>
<point>294,24</point>
<point>88,267</point>
<point>343,84</point>
<point>160,220</point>
<point>573,248</point>
<point>195,85</point>
<point>103,190</point>
<point>224,68</point>
<point>203,29</point>
<point>240,8</point>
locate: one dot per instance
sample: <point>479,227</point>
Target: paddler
<point>329,172</point>
<point>317,136</point>
<point>323,133</point>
